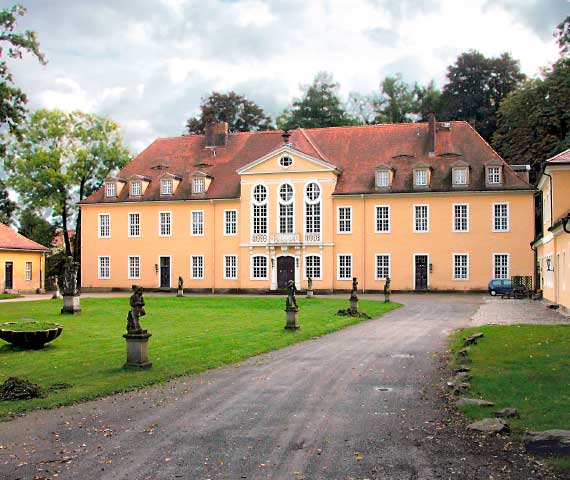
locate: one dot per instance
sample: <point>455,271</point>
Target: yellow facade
<point>399,246</point>
<point>27,270</point>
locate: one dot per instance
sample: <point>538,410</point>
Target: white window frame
<point>251,259</point>
<point>230,227</point>
<point>99,276</point>
<point>320,257</point>
<point>226,277</point>
<point>338,219</point>
<point>130,225</point>
<point>129,267</point>
<point>198,185</point>
<point>197,229</point>
<point>108,187</point>
<point>308,203</point>
<point>166,186</point>
<point>422,171</point>
<point>490,178</point>
<point>383,174</point>
<point>415,218</point>
<point>493,211</point>
<point>263,203</point>
<point>99,225</point>
<point>287,204</point>
<point>29,267</point>
<point>462,173</point>
<point>453,266</point>
<point>131,190</point>
<point>376,208</point>
<point>376,256</point>
<point>160,224</point>
<point>508,266</point>
<point>338,266</point>
<point>454,218</point>
<point>200,267</point>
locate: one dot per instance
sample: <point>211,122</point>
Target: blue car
<point>500,286</point>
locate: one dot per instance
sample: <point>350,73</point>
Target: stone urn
<point>31,334</point>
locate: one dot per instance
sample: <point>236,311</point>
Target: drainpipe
<point>565,221</point>
<point>551,193</point>
<point>214,249</point>
<point>363,243</point>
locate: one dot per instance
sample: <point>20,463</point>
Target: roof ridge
<point>314,145</point>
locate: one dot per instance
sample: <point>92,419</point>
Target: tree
<point>13,44</point>
<point>476,86</point>
<point>59,159</point>
<point>36,228</point>
<point>361,108</point>
<point>534,123</point>
<point>397,102</point>
<point>428,100</point>
<point>562,35</point>
<point>320,106</point>
<point>242,114</point>
<point>7,206</point>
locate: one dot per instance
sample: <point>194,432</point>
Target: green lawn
<point>190,334</point>
<point>522,366</point>
<point>6,296</point>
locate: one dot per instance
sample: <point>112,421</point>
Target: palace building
<point>431,205</point>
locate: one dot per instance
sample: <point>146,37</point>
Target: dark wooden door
<point>164,272</point>
<point>421,272</point>
<point>9,276</point>
<point>285,271</point>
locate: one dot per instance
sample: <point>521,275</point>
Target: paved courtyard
<point>361,403</point>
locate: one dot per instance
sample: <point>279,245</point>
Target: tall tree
<point>7,206</point>
<point>320,106</point>
<point>361,108</point>
<point>397,102</point>
<point>36,228</point>
<point>428,100</point>
<point>562,35</point>
<point>476,86</point>
<point>14,44</point>
<point>61,158</point>
<point>242,114</point>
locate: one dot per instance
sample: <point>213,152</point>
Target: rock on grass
<point>20,389</point>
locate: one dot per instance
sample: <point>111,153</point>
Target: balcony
<point>285,238</point>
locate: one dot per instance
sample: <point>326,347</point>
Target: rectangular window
<point>344,219</point>
<point>198,223</point>
<point>259,267</point>
<point>104,267</point>
<point>136,189</point>
<point>460,266</point>
<point>28,271</point>
<point>166,187</point>
<point>494,175</point>
<point>134,267</point>
<point>382,267</point>
<point>230,267</point>
<point>197,270</point>
<point>421,177</point>
<point>382,178</point>
<point>230,222</point>
<point>259,219</point>
<point>134,224</point>
<point>382,219</point>
<point>460,176</point>
<point>345,267</point>
<point>313,267</point>
<point>501,217</point>
<point>165,224</point>
<point>110,189</point>
<point>313,217</point>
<point>501,265</point>
<point>421,218</point>
<point>286,218</point>
<point>461,217</point>
<point>104,225</point>
<point>198,185</point>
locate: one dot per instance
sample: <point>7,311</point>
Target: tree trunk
<point>65,232</point>
<point>77,239</point>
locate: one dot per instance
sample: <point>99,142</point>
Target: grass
<point>6,296</point>
<point>23,326</point>
<point>190,335</point>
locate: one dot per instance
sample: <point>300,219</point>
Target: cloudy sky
<point>148,63</point>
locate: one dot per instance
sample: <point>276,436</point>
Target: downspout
<point>363,243</point>
<point>214,249</point>
<point>535,282</point>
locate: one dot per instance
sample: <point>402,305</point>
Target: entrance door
<point>164,272</point>
<point>421,272</point>
<point>285,271</point>
<point>9,276</point>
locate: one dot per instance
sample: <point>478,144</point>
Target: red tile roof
<point>562,157</point>
<point>355,150</point>
<point>12,240</point>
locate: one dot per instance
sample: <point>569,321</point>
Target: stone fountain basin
<point>13,333</point>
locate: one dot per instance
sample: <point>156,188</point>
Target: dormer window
<point>166,186</point>
<point>110,189</point>
<point>460,176</point>
<point>421,177</point>
<point>494,175</point>
<point>136,188</point>
<point>199,185</point>
<point>383,178</point>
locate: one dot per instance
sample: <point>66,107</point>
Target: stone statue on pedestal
<point>55,285</point>
<point>136,337</point>
<point>70,290</point>
<point>137,310</point>
<point>387,290</point>
<point>309,287</point>
<point>180,287</point>
<point>291,307</point>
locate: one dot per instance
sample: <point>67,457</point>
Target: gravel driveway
<point>361,403</point>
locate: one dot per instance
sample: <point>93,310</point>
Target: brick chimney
<point>216,134</point>
<point>431,135</point>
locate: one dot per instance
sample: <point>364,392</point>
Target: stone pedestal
<point>71,305</point>
<point>309,293</point>
<point>180,293</point>
<point>386,297</point>
<point>137,350</point>
<point>353,304</point>
<point>56,295</point>
<point>292,314</point>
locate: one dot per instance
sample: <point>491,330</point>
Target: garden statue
<point>291,307</point>
<point>55,285</point>
<point>70,290</point>
<point>309,287</point>
<point>353,296</point>
<point>180,287</point>
<point>291,299</point>
<point>387,290</point>
<point>136,337</point>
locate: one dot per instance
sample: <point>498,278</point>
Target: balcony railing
<point>285,238</point>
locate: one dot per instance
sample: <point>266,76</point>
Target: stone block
<point>71,305</point>
<point>137,350</point>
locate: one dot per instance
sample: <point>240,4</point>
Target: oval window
<point>313,192</point>
<point>286,161</point>
<point>286,193</point>
<point>259,194</point>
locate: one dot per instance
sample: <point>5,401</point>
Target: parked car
<point>499,286</point>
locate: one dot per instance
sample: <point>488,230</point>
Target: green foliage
<point>242,114</point>
<point>13,44</point>
<point>397,101</point>
<point>7,206</point>
<point>54,266</point>
<point>533,123</point>
<point>190,335</point>
<point>36,228</point>
<point>319,107</point>
<point>428,100</point>
<point>476,86</point>
<point>562,35</point>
